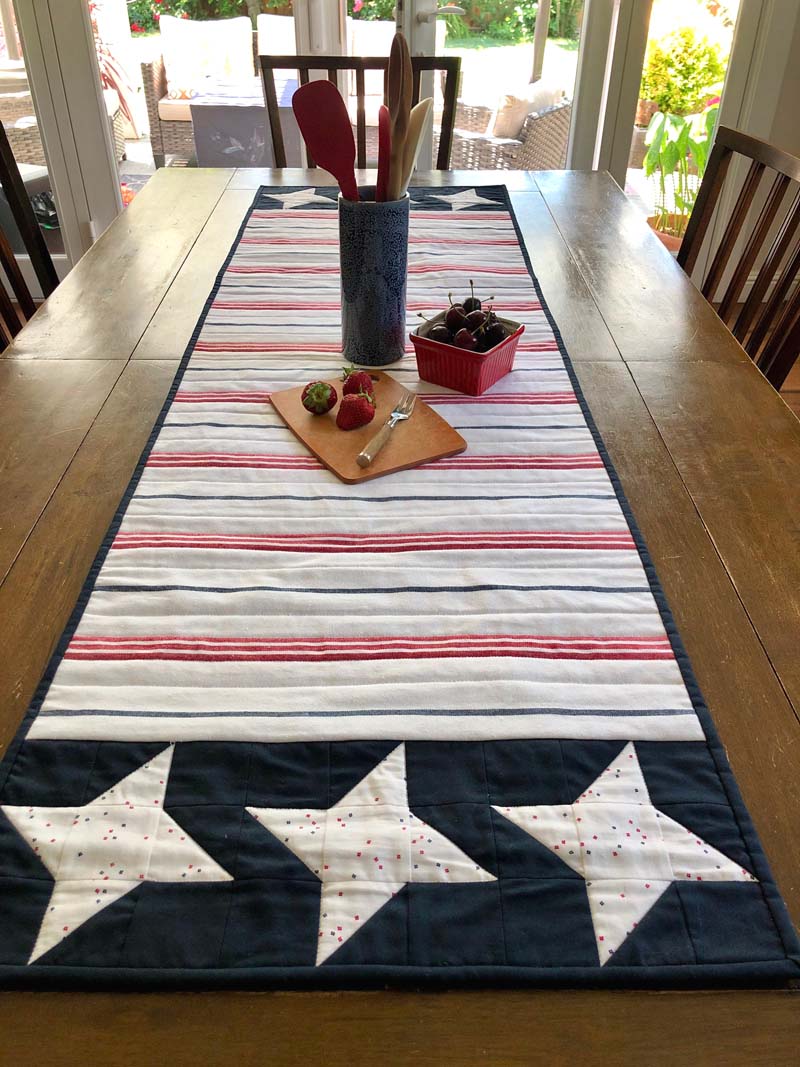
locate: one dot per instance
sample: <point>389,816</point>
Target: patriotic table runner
<point>437,727</point>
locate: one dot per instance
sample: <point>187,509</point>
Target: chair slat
<point>451,65</point>
<point>754,304</point>
<point>704,206</point>
<point>273,115</point>
<point>18,284</point>
<point>361,119</point>
<point>766,334</point>
<point>778,361</point>
<point>733,229</point>
<point>757,238</point>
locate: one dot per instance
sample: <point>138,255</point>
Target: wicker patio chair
<point>542,144</point>
<point>172,137</point>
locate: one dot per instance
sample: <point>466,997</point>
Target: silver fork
<point>402,411</point>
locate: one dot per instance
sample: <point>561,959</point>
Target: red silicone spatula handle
<point>384,151</point>
<point>325,125</point>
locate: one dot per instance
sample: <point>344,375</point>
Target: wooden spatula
<point>416,128</point>
<point>323,120</point>
<point>400,89</point>
<point>384,151</point>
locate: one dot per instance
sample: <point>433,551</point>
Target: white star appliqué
<point>99,852</point>
<point>628,851</point>
<point>301,198</point>
<point>465,199</point>
<point>365,848</point>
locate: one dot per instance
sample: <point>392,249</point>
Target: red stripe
<point>224,657</point>
<point>376,543</point>
<point>331,216</point>
<point>311,643</point>
<point>499,241</point>
<point>413,268</point>
<point>288,650</point>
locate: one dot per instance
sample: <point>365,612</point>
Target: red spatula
<point>384,151</point>
<point>325,125</point>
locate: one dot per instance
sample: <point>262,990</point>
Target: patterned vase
<point>373,249</point>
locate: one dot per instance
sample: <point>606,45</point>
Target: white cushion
<point>513,109</point>
<point>174,110</point>
<point>221,49</point>
<point>276,35</point>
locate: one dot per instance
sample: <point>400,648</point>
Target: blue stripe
<point>450,712</point>
<point>122,588</point>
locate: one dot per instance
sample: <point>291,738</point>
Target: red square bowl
<point>456,368</point>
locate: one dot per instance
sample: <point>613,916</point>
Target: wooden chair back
<point>450,65</point>
<point>12,317</point>
<point>767,323</point>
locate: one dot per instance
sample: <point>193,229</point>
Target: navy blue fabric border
<point>775,973</point>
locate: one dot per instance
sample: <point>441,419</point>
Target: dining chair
<point>760,236</point>
<point>32,238</point>
<point>449,65</point>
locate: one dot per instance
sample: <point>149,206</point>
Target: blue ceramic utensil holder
<point>373,249</point>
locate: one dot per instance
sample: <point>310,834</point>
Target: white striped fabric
<point>250,595</point>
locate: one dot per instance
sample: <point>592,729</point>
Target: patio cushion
<point>221,49</point>
<point>174,110</point>
<point>276,35</point>
<point>514,109</point>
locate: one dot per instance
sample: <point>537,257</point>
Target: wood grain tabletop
<point>709,457</point>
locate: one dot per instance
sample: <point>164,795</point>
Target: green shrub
<point>681,71</point>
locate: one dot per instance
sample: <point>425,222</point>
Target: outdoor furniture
<point>666,383</point>
<point>768,323</point>
<point>229,125</point>
<point>451,65</point>
<point>170,120</point>
<point>541,145</point>
<point>22,127</point>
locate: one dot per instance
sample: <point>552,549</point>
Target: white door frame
<point>61,63</point>
<point>610,60</point>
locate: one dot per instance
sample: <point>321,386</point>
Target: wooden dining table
<point>709,456</point>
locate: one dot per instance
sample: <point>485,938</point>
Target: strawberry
<point>356,409</point>
<point>357,381</point>
<point>318,397</point>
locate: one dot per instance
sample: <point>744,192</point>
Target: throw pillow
<point>514,109</point>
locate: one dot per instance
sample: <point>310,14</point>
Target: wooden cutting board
<point>424,437</point>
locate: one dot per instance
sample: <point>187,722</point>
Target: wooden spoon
<point>325,124</point>
<point>416,129</point>
<point>400,89</point>
<point>384,151</point>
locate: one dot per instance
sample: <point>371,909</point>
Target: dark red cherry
<point>440,333</point>
<point>455,317</point>
<point>475,319</point>
<point>494,334</point>
<point>464,339</point>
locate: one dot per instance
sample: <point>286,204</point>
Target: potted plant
<point>681,70</point>
<point>677,152</point>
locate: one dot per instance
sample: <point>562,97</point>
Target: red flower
<point>136,28</point>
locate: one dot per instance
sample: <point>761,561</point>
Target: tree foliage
<point>681,72</point>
